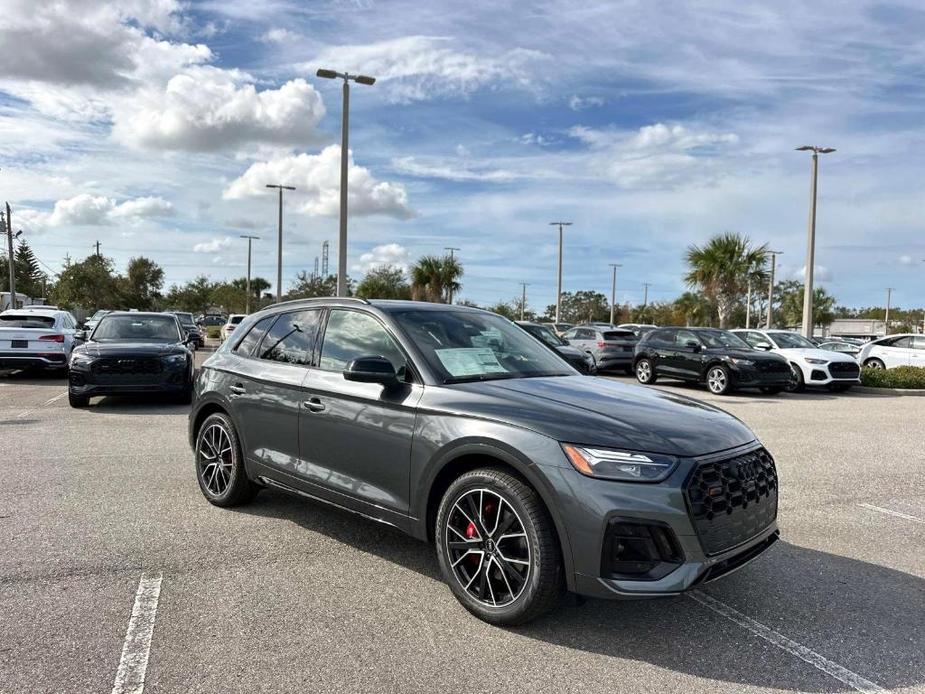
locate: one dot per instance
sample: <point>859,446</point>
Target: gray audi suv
<point>457,427</point>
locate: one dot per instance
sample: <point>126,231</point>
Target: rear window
<point>234,320</point>
<point>27,321</point>
<point>619,335</point>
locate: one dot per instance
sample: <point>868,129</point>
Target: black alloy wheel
<point>497,548</point>
<point>219,465</point>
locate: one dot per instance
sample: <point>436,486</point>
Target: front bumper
<point>44,360</point>
<point>589,506</point>
<point>750,377</point>
<point>82,381</point>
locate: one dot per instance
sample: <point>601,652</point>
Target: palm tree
<point>695,308</point>
<point>721,269</point>
<point>433,278</point>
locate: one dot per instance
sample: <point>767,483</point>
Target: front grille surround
<point>731,500</point>
<point>772,366</point>
<point>844,369</point>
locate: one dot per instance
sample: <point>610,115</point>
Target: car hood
<point>806,352</point>
<point>599,412</point>
<point>569,351</point>
<point>133,349</point>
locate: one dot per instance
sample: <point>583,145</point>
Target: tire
<point>593,368</point>
<point>645,371</point>
<point>797,383</point>
<point>222,477</point>
<point>719,380</point>
<point>77,400</point>
<point>771,390</point>
<point>503,584</point>
<point>874,363</point>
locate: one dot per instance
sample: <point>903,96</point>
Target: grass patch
<point>900,377</point>
<point>214,332</point>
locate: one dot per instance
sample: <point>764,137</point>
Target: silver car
<point>610,349</point>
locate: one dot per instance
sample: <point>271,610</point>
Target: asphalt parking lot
<point>286,595</point>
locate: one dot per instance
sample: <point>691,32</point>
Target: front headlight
<point>741,362</point>
<point>78,359</point>
<point>626,466</point>
<point>175,359</point>
<point>816,361</point>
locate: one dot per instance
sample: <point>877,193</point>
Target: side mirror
<point>371,370</point>
<point>80,335</point>
<point>764,347</point>
<point>690,344</point>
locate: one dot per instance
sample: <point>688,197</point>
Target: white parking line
<point>130,677</point>
<point>26,413</point>
<point>802,652</point>
<point>891,512</point>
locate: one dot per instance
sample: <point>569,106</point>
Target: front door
<point>688,354</point>
<point>355,438</point>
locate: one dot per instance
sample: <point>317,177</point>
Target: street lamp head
<point>815,150</point>
<point>805,148</point>
<point>826,150</point>
<point>365,79</point>
<point>327,74</point>
<point>17,234</point>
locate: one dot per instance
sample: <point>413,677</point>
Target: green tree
<point>308,286</point>
<point>258,286</point>
<point>580,307</point>
<point>194,297</point>
<point>30,280</point>
<point>385,282</point>
<point>90,284</point>
<point>434,278</point>
<point>788,304</point>
<point>508,309</point>
<point>721,270</point>
<point>142,284</point>
<point>694,309</point>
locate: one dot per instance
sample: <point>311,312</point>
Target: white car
<point>811,366</point>
<point>36,337</point>
<point>231,324</point>
<point>894,350</point>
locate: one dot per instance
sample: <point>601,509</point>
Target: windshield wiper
<point>480,377</point>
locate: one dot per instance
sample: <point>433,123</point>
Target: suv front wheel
<point>497,548</point>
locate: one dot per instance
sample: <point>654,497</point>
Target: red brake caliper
<point>470,531</point>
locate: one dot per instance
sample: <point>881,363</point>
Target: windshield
<point>722,338</point>
<point>136,329</point>
<point>27,321</point>
<point>791,341</point>
<point>185,318</point>
<point>462,346</point>
<point>545,334</point>
<point>99,314</point>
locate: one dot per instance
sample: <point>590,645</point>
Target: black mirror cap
<point>371,370</point>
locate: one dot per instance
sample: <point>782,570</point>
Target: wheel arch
<point>474,456</point>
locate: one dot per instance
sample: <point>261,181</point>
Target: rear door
<point>661,348</point>
<point>917,355</point>
<point>356,437</point>
<point>687,358</point>
<point>898,353</point>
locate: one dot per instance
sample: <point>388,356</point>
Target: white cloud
<point>580,103</point>
<point>207,109</point>
<point>906,260</point>
<point>414,68</point>
<point>393,254</point>
<point>452,170</point>
<point>820,274</point>
<point>213,246</point>
<point>317,181</point>
<point>278,35</point>
<point>96,210</point>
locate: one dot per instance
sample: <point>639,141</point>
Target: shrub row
<point>213,332</point>
<point>900,377</point>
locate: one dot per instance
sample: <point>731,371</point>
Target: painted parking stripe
<point>891,512</point>
<point>26,413</point>
<point>130,677</point>
<point>775,638</point>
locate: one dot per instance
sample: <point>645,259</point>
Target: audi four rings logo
<point>746,470</point>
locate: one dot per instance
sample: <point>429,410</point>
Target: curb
<point>869,390</point>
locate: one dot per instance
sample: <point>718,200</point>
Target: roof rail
<point>318,298</point>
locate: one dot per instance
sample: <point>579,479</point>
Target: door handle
<point>314,405</point>
<point>237,389</point>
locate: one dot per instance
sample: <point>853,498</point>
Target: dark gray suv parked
<point>457,427</point>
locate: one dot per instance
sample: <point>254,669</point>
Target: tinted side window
<point>350,335</point>
<point>755,339</point>
<point>682,337</point>
<point>902,342</point>
<point>292,338</point>
<point>661,338</point>
<point>918,342</point>
<point>246,346</point>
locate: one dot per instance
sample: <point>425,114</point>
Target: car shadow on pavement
<point>136,405</point>
<point>34,378</point>
<point>865,617</point>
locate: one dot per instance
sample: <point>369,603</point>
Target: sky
<point>153,126</point>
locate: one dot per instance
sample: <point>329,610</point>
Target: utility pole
<point>315,271</point>
<point>773,255</point>
<point>748,305</point>
<point>247,300</point>
<point>12,266</point>
<point>324,259</point>
<point>559,283</point>
<point>808,323</point>
<point>613,289</point>
<point>886,317</point>
<point>279,244</point>
<point>645,299</point>
<point>449,290</point>
<point>523,299</point>
<point>97,244</point>
<point>345,126</point>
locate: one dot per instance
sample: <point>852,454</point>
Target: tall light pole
<point>279,244</point>
<point>559,284</point>
<point>811,240</point>
<point>645,299</point>
<point>247,301</point>
<point>523,299</point>
<point>886,316</point>
<point>449,290</point>
<point>345,127</point>
<point>773,255</point>
<point>613,289</point>
<point>8,230</point>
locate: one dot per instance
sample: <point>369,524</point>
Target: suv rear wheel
<point>719,380</point>
<point>645,371</point>
<point>497,548</point>
<point>220,465</point>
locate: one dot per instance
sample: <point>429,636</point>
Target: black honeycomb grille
<point>731,501</point>
<point>844,369</point>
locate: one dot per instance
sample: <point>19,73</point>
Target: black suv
<point>718,358</point>
<point>456,426</point>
